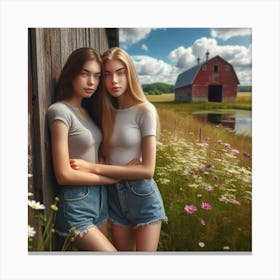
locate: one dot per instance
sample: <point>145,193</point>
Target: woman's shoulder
<point>147,107</point>
<point>59,110</point>
<point>57,106</point>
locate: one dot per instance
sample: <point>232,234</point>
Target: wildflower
<point>235,151</point>
<point>227,146</point>
<point>234,201</point>
<point>29,175</point>
<point>246,154</point>
<point>208,165</point>
<point>201,169</point>
<point>199,195</point>
<point>226,248</point>
<point>36,205</point>
<point>219,141</point>
<point>201,244</point>
<point>216,177</point>
<point>54,207</point>
<point>190,209</point>
<point>209,188</point>
<point>73,230</point>
<point>31,231</point>
<point>30,193</point>
<point>202,221</point>
<point>163,181</point>
<point>206,206</point>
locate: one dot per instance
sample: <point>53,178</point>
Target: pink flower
<point>227,146</point>
<point>235,151</point>
<point>219,141</point>
<point>216,177</point>
<point>189,209</point>
<point>206,206</point>
<point>208,165</point>
<point>234,201</point>
<point>209,188</point>
<point>246,154</point>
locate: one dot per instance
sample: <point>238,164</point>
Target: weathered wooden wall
<point>48,50</point>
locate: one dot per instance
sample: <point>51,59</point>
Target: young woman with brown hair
<point>74,133</point>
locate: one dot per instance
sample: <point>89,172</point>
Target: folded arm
<point>144,170</point>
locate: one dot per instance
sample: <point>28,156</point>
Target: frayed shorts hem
<point>140,224</point>
<point>81,231</point>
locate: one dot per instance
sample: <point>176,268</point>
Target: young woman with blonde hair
<point>129,126</point>
<point>82,207</point>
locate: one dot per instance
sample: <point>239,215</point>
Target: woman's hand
<point>81,165</point>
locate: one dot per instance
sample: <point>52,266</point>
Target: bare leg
<point>104,228</point>
<point>123,237</point>
<point>94,240</point>
<point>147,237</point>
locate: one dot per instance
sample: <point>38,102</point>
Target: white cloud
<point>151,70</point>
<point>144,47</point>
<point>129,36</point>
<point>227,33</point>
<point>238,56</point>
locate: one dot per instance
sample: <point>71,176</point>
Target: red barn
<point>212,81</point>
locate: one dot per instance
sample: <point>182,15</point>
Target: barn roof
<point>187,77</point>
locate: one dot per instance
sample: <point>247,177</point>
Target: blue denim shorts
<point>81,207</point>
<point>135,203</point>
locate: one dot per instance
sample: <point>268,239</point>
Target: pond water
<point>237,121</point>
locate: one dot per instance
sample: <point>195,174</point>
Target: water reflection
<point>238,121</point>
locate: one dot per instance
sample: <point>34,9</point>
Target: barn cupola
<point>207,55</point>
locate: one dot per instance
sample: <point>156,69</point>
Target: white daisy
<point>31,231</point>
<point>36,205</point>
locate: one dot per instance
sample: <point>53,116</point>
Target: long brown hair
<point>108,103</point>
<point>70,70</point>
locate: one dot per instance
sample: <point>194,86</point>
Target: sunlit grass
<point>200,163</point>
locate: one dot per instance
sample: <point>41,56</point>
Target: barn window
<point>216,68</point>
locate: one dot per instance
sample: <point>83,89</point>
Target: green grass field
<point>205,177</point>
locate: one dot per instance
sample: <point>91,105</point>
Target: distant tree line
<point>160,88</point>
<point>157,88</point>
<point>245,89</point>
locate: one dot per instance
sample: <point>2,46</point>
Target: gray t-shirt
<point>131,125</point>
<point>84,137</point>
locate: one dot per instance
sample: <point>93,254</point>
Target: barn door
<point>215,93</point>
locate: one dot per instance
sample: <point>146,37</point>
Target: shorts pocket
<point>142,187</point>
<point>75,193</point>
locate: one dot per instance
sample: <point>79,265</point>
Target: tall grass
<point>204,175</point>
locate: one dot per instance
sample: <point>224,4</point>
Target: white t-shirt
<point>84,137</point>
<point>131,125</point>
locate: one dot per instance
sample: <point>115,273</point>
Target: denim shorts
<point>135,203</point>
<point>80,207</point>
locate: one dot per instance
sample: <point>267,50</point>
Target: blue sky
<point>163,53</point>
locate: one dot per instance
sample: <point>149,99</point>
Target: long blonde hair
<point>109,103</point>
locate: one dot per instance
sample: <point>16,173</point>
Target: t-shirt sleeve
<point>148,120</point>
<point>59,112</point>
